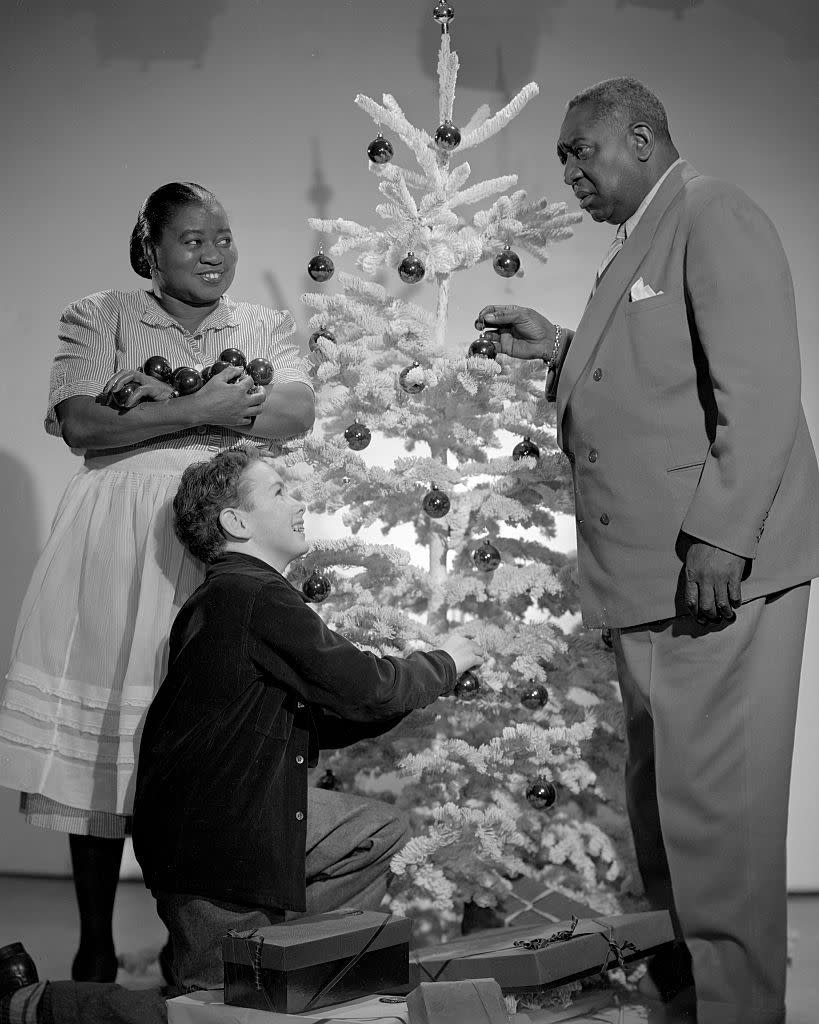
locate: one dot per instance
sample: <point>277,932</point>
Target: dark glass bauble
<point>357,436</point>
<point>380,150</point>
<point>234,357</point>
<point>486,557</point>
<point>159,368</point>
<point>316,587</point>
<point>443,13</point>
<point>436,504</point>
<point>447,136</point>
<point>483,346</point>
<point>186,380</point>
<point>217,367</point>
<point>260,371</point>
<point>321,267</point>
<point>525,449</point>
<point>124,393</point>
<point>541,794</point>
<point>507,262</point>
<point>411,387</point>
<point>468,686</point>
<point>534,696</point>
<point>411,269</point>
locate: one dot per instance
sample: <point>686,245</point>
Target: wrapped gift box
<point>210,1008</point>
<point>531,902</point>
<point>547,959</point>
<point>310,962</point>
<point>454,1002</point>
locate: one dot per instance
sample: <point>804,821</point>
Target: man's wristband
<point>551,360</point>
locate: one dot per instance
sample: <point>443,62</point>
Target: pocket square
<point>641,290</point>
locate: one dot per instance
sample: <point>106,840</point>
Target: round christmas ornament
<point>447,136</point>
<point>121,397</point>
<point>357,436</point>
<point>234,357</point>
<point>321,267</point>
<point>316,587</point>
<point>541,794</point>
<point>159,368</point>
<point>320,333</point>
<point>436,504</point>
<point>483,346</point>
<point>411,387</point>
<point>443,13</point>
<point>260,371</point>
<point>186,380</point>
<point>507,262</point>
<point>468,686</point>
<point>534,696</point>
<point>380,150</point>
<point>328,781</point>
<point>217,367</point>
<point>525,449</point>
<point>411,269</point>
<point>486,557</point>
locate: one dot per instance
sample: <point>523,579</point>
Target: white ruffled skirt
<point>91,643</point>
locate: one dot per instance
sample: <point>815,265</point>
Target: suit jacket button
<point>299,704</point>
<point>593,455</point>
<point>604,519</point>
<point>598,374</point>
<point>299,816</point>
<point>299,759</point>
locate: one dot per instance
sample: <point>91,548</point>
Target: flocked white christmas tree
<point>518,773</point>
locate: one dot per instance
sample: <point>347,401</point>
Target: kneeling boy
<point>225,829</point>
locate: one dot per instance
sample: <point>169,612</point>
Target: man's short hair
<point>622,102</point>
<point>205,490</point>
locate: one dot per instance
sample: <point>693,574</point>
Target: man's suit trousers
<point>710,718</point>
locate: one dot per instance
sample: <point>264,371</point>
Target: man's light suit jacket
<point>681,413</point>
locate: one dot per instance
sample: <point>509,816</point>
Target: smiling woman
<point>91,644</point>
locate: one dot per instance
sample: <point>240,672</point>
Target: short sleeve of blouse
<point>289,366</point>
<point>86,353</point>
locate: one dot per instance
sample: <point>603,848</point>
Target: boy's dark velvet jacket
<point>256,684</point>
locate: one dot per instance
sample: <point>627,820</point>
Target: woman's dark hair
<point>205,489</point>
<point>156,212</point>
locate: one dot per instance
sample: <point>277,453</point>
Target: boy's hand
<point>463,651</point>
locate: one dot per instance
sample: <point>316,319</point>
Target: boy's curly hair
<point>205,489</point>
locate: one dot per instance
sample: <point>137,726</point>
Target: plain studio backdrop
<point>102,101</point>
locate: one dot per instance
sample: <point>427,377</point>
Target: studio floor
<point>41,913</point>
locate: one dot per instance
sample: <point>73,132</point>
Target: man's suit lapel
<point>616,281</point>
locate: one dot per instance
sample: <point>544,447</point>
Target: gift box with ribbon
<point>454,1002</point>
<point>313,961</point>
<point>546,954</point>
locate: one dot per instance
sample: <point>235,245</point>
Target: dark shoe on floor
<point>16,969</point>
<point>100,968</point>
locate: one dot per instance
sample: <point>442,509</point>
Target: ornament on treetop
<point>468,686</point>
<point>328,781</point>
<point>443,13</point>
<point>483,346</point>
<point>260,371</point>
<point>447,136</point>
<point>436,504</point>
<point>380,150</point>
<point>486,557</point>
<point>124,393</point>
<point>316,587</point>
<point>411,387</point>
<point>357,436</point>
<point>507,262</point>
<point>159,368</point>
<point>525,449</point>
<point>320,333</point>
<point>534,696</point>
<point>321,267</point>
<point>541,794</point>
<point>186,380</point>
<point>411,269</point>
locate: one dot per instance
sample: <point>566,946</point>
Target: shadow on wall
<point>150,31</point>
<point>19,543</point>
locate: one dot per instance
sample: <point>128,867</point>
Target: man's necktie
<point>613,249</point>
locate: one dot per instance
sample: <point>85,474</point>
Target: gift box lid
<point>549,956</point>
<point>315,939</point>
